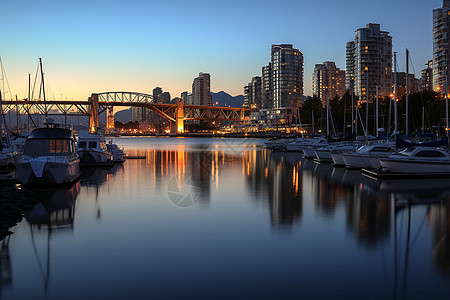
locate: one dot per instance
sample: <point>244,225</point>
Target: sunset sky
<point>136,45</point>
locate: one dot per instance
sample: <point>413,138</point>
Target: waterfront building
<point>328,81</point>
<point>247,96</point>
<point>370,54</point>
<point>441,27</point>
<point>252,94</point>
<point>413,83</point>
<point>266,86</point>
<point>280,88</point>
<point>426,78</point>
<point>287,77</point>
<point>350,66</point>
<point>201,90</point>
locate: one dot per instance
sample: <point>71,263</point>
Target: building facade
<point>369,62</point>
<point>287,76</point>
<point>266,87</point>
<point>426,77</point>
<point>350,66</point>
<point>441,27</point>
<point>328,81</point>
<point>201,90</point>
<point>252,94</point>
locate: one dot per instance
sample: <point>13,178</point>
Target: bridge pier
<point>110,119</point>
<point>178,125</point>
<point>93,113</point>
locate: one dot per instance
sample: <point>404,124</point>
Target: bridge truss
<point>100,102</point>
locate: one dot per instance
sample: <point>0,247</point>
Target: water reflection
<point>53,213</point>
<point>246,207</point>
<point>98,176</point>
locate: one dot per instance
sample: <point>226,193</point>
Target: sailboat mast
<point>328,110</point>
<point>407,91</point>
<point>376,115</point>
<point>353,106</point>
<point>367,105</point>
<point>395,93</point>
<point>43,86</point>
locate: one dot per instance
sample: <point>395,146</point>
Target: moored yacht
<point>118,154</point>
<point>92,149</point>
<point>49,156</point>
<point>417,161</point>
<point>368,156</point>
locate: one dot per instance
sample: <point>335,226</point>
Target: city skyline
<point>136,46</point>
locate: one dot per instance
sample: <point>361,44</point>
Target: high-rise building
<point>201,90</point>
<point>328,81</point>
<point>426,78</point>
<point>156,92</point>
<point>267,87</point>
<point>413,83</point>
<point>247,96</point>
<point>369,59</point>
<point>441,28</point>
<point>252,94</point>
<point>287,77</point>
<point>350,66</point>
<point>164,97</point>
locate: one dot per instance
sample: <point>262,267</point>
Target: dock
<point>376,174</point>
<point>136,157</point>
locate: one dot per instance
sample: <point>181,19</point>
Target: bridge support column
<point>93,113</point>
<point>110,119</point>
<point>178,126</point>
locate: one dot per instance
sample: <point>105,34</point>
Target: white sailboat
<point>417,161</point>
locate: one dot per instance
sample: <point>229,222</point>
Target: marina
<point>216,218</point>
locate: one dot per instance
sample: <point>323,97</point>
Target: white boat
<point>309,150</point>
<point>368,156</point>
<point>49,156</point>
<point>118,154</point>
<point>92,149</point>
<point>298,144</point>
<point>277,143</point>
<point>417,161</point>
<point>325,153</point>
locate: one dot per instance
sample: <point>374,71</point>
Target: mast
<point>328,110</point>
<point>312,120</point>
<point>43,86</point>
<point>395,93</point>
<point>407,91</point>
<point>376,115</point>
<point>367,105</point>
<point>353,106</point>
<point>423,119</point>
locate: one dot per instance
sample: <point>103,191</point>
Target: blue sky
<point>96,46</point>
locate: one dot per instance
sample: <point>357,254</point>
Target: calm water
<point>226,219</point>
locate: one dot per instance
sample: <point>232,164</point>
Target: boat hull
<point>53,172</point>
<point>407,166</point>
<point>94,157</point>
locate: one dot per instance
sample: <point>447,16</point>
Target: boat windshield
<point>37,147</point>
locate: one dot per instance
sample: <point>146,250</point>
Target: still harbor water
<point>206,218</point>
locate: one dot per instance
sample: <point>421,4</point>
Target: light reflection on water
<point>215,218</point>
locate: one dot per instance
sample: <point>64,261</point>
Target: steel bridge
<point>97,103</point>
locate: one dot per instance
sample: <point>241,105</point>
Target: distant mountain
<point>223,99</point>
<point>123,116</point>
